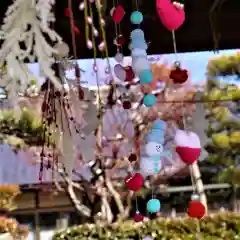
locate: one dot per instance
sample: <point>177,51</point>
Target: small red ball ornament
<point>134,181</point>
<point>178,75</point>
<point>138,217</point>
<point>196,209</point>
<point>132,157</point>
<point>120,40</point>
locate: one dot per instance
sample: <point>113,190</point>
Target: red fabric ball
<point>188,155</point>
<point>134,182</point>
<point>179,76</point>
<point>196,210</point>
<point>132,157</point>
<point>118,13</point>
<point>138,217</point>
<point>120,40</point>
<point>129,74</point>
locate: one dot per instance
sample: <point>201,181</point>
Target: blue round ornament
<point>149,100</point>
<point>136,17</point>
<point>138,33</point>
<point>153,206</point>
<point>145,76</point>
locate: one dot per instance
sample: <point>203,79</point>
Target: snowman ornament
<point>153,151</point>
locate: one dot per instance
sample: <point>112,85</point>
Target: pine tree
<point>223,112</point>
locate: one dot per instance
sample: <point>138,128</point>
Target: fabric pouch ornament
<point>188,146</point>
<point>117,13</point>
<point>178,75</point>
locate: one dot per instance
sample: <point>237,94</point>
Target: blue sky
<point>194,62</point>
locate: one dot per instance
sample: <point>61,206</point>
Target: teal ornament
<point>149,100</point>
<point>136,17</point>
<point>145,76</point>
<point>153,206</point>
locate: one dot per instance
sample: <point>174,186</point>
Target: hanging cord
<point>198,230</point>
<point>116,26</point>
<point>71,17</point>
<point>96,70</point>
<point>98,6</point>
<point>174,44</point>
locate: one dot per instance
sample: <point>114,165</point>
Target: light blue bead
<point>153,206</point>
<point>136,17</point>
<point>156,135</point>
<point>145,76</point>
<point>140,64</point>
<point>139,44</point>
<point>137,52</point>
<point>138,40</point>
<point>149,100</point>
<point>159,124</point>
<point>137,33</point>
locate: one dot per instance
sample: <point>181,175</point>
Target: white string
<point>174,44</point>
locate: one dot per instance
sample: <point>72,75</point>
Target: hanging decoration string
<point>102,23</point>
<point>71,17</point>
<point>198,230</point>
<point>96,69</point>
<point>116,26</point>
<point>174,43</point>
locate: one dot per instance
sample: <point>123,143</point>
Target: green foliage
<point>224,65</point>
<point>19,129</point>
<point>221,226</point>
<point>223,113</point>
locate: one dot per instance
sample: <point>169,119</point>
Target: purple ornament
<point>120,72</point>
<point>119,57</point>
<point>147,238</point>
